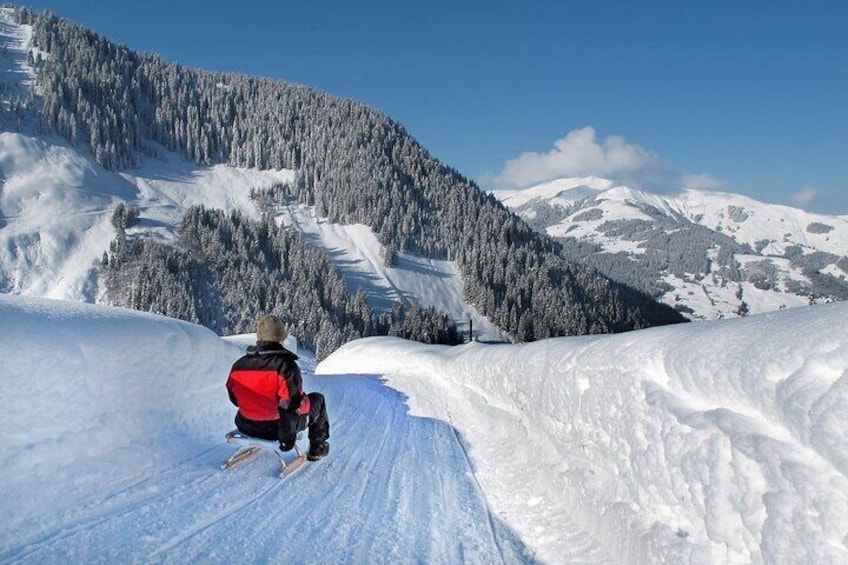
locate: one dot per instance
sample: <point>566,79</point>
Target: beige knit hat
<point>270,328</point>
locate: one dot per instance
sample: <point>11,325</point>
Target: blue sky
<point>748,96</point>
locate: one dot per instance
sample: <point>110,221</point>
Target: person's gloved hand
<point>302,405</point>
<point>286,445</point>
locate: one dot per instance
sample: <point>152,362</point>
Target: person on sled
<point>267,387</point>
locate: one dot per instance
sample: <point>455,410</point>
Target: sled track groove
<point>94,515</point>
<point>216,519</point>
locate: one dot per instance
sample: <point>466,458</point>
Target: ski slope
<point>717,442</point>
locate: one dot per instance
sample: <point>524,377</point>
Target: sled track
<point>209,523</point>
<point>73,523</point>
<point>395,488</point>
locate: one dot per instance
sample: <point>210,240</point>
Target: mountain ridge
<point>769,256</point>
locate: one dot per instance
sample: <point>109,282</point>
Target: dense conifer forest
<point>353,164</point>
<point>228,270</point>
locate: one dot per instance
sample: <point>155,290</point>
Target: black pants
<point>290,423</point>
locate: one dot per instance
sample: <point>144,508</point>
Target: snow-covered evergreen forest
<point>354,165</point>
<point>229,270</point>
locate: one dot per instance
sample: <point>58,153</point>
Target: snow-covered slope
<point>754,223</point>
<point>719,442</point>
<point>18,76</point>
<point>56,206</point>
<point>704,252</point>
<point>355,250</point>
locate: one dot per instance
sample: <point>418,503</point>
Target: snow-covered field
<point>716,442</point>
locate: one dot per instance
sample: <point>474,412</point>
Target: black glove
<point>287,445</point>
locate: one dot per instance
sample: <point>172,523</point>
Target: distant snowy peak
<point>747,220</point>
<point>710,254</point>
<point>756,223</point>
<point>560,191</point>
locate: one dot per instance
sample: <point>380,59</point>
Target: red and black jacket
<point>266,383</point>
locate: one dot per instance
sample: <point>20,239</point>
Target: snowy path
<point>395,488</point>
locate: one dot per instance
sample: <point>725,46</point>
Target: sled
<point>248,446</point>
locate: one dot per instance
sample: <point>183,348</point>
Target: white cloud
<point>581,154</point>
<point>806,195</point>
<point>702,181</point>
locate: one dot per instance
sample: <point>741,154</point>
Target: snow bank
<point>716,442</point>
<point>90,392</point>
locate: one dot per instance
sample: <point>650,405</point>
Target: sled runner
<point>248,446</point>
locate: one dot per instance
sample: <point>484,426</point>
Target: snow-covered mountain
<point>138,146</point>
<point>717,442</point>
<point>56,207</point>
<point>710,254</point>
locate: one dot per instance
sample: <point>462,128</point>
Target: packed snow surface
<point>717,442</point>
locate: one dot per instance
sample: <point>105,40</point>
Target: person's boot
<point>318,451</point>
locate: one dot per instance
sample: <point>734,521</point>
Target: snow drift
<point>91,391</point>
<point>719,442</point>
